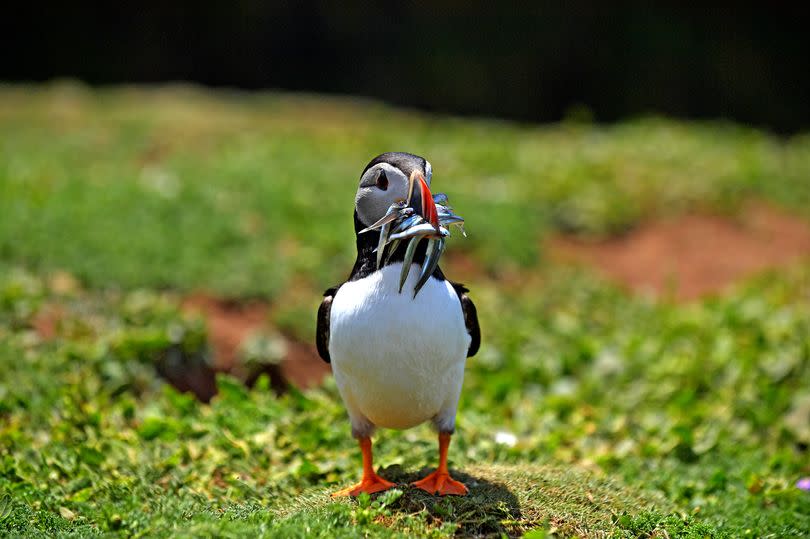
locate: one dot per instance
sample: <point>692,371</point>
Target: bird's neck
<point>366,262</point>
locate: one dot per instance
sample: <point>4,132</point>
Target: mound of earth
<point>230,323</point>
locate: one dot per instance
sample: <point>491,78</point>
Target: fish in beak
<point>422,216</point>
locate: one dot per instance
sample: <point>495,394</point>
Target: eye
<point>382,181</point>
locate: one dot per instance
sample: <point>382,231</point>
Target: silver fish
<point>450,219</point>
<point>406,262</point>
<point>434,251</point>
<point>390,215</point>
<point>384,233</point>
<point>401,223</point>
<point>408,222</point>
<point>425,229</point>
<point>392,247</point>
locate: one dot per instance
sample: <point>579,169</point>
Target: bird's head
<point>393,177</point>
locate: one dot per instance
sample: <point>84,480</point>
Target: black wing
<point>322,330</point>
<point>470,318</point>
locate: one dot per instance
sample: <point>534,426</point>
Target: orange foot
<point>371,484</point>
<point>441,483</point>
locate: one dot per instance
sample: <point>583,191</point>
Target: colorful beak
<point>428,206</point>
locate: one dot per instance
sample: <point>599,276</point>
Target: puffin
<point>398,356</point>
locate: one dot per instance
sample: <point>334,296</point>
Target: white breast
<point>398,361</point>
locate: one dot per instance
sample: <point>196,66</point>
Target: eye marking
<point>382,181</point>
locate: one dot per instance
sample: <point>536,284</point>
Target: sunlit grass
<point>647,409</point>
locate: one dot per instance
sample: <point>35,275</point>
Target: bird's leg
<point>371,482</point>
<point>440,482</point>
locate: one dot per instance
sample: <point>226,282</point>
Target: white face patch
<point>371,201</point>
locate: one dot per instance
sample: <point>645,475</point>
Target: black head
<point>385,180</point>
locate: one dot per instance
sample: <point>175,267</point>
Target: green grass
<point>629,415</point>
<point>632,418</point>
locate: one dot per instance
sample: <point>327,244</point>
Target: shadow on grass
<point>506,499</point>
<point>489,509</point>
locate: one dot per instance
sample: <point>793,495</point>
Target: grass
<point>630,418</point>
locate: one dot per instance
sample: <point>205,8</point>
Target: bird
<point>398,358</point>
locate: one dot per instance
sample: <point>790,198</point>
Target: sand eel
<point>397,333</point>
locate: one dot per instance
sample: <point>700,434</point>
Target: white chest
<point>397,359</point>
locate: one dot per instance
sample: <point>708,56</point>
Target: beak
<point>426,207</point>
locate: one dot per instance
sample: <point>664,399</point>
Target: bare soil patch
<point>230,323</point>
<point>692,256</point>
<point>47,320</point>
<point>303,367</point>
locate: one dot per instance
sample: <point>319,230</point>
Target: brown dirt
<point>230,323</point>
<point>47,320</point>
<point>695,255</point>
<point>303,367</point>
